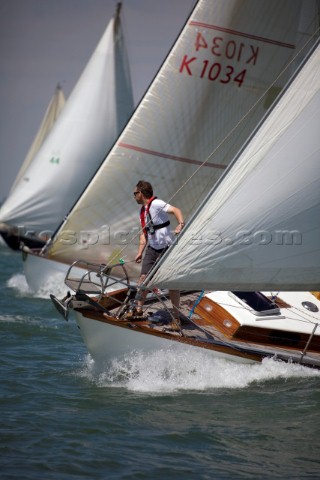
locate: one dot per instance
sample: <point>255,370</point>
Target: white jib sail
<point>52,113</point>
<point>260,229</point>
<point>225,59</point>
<point>96,111</point>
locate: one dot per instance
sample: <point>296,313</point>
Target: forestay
<point>260,229</point>
<point>215,85</point>
<point>96,111</point>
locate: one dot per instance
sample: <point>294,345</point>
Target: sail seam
<point>242,34</point>
<point>170,157</point>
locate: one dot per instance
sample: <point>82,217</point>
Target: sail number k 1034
<point>220,48</point>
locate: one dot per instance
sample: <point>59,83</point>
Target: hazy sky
<point>43,42</point>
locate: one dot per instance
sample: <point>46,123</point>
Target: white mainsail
<point>96,111</point>
<point>52,113</point>
<point>260,228</point>
<point>214,87</point>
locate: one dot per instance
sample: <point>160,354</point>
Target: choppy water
<point>164,416</point>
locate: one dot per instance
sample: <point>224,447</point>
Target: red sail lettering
<point>200,42</point>
<point>214,71</point>
<point>240,78</point>
<point>231,49</point>
<point>254,55</point>
<point>216,46</point>
<point>185,64</point>
<point>228,73</point>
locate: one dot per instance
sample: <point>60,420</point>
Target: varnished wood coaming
<point>211,313</point>
<point>214,314</point>
<point>279,302</point>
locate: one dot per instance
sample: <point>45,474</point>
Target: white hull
<point>46,276</point>
<point>105,341</point>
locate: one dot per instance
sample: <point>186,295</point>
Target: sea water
<point>161,416</point>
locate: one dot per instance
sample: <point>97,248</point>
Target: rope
<point>195,304</point>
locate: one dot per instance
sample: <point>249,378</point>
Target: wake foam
<point>19,283</point>
<point>54,286</point>
<point>169,372</point>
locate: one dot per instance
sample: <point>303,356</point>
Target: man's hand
<point>178,228</point>
<point>138,258</point>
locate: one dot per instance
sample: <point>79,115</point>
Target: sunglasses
<point>135,193</point>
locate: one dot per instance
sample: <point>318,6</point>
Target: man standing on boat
<point>155,239</point>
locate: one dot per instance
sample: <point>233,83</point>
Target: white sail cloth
<point>202,106</point>
<point>96,111</point>
<point>52,113</point>
<point>260,228</point>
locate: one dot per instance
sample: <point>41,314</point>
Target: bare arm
<point>179,217</point>
<point>142,246</point>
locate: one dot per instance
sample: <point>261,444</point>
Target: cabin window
<point>258,302</point>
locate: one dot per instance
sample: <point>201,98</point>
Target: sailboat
<point>220,77</point>
<point>271,188</point>
<point>10,234</point>
<point>235,242</point>
<point>96,111</point>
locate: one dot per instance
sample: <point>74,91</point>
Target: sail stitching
<point>242,34</point>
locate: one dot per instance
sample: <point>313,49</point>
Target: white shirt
<point>163,237</point>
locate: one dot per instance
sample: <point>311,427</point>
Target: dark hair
<point>145,188</point>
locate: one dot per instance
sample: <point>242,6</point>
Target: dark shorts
<point>150,258</point>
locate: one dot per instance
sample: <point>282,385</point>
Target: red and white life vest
<point>148,226</point>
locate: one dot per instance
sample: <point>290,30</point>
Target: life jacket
<point>149,226</point>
